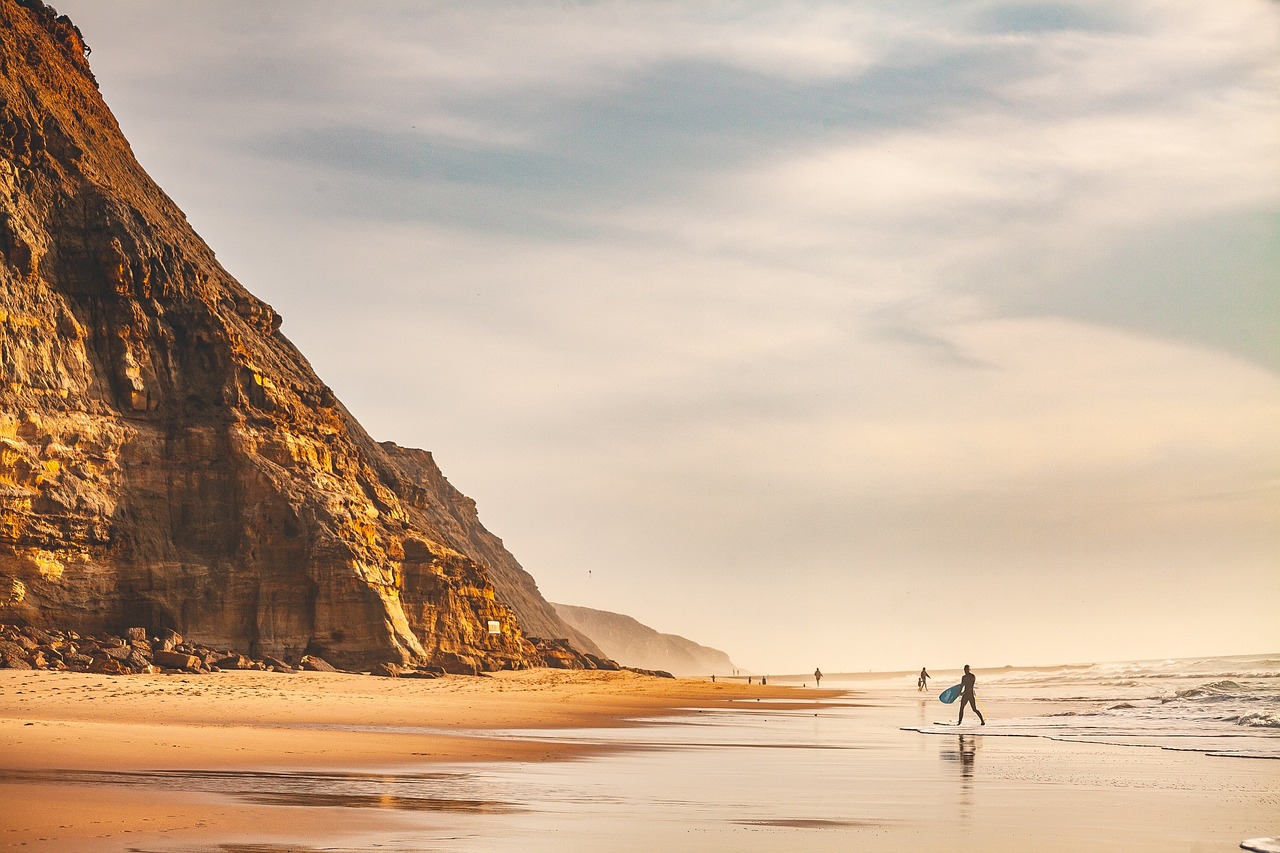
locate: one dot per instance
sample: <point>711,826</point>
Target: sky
<point>861,335</point>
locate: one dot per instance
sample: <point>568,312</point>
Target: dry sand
<point>255,719</point>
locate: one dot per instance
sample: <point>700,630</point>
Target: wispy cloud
<point>774,297</point>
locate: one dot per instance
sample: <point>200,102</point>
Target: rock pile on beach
<point>138,651</point>
<point>133,652</point>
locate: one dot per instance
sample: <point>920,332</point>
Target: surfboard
<point>1261,845</point>
<point>950,694</point>
<point>945,723</point>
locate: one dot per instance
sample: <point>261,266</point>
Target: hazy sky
<point>861,335</point>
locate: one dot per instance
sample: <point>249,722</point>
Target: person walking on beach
<point>967,682</point>
<point>817,677</point>
<point>923,683</point>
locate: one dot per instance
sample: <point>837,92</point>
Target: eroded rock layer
<point>168,459</point>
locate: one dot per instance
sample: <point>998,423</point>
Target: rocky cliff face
<point>168,459</point>
<point>424,490</point>
<point>634,644</point>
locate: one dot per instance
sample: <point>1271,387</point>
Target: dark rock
<point>455,664</point>
<point>107,666</point>
<point>560,654</point>
<point>387,670</point>
<point>135,635</point>
<point>77,662</point>
<point>176,660</point>
<point>233,661</point>
<point>655,673</point>
<point>36,635</point>
<point>315,664</point>
<point>277,664</point>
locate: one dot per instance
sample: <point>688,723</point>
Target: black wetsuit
<point>966,695</point>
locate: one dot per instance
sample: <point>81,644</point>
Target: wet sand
<point>546,760</point>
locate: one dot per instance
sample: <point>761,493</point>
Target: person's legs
<point>970,700</point>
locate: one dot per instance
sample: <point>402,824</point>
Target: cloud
<point>887,307</point>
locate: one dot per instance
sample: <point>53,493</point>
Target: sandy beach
<point>54,724</point>
<point>548,760</point>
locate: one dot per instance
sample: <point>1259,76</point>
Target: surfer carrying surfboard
<point>923,682</point>
<point>967,682</point>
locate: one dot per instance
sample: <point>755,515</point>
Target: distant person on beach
<point>923,683</point>
<point>817,677</point>
<point>967,682</point>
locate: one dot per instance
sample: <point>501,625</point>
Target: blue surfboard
<point>950,694</point>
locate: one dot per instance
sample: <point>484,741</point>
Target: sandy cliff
<point>168,459</point>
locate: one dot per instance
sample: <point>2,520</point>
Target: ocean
<point>1221,706</point>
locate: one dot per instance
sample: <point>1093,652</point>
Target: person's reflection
<point>968,747</point>
<point>964,754</point>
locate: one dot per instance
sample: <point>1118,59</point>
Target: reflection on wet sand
<point>815,824</point>
<point>434,792</point>
<point>250,848</point>
<point>964,754</point>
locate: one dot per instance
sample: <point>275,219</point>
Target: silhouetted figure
<point>967,682</point>
<point>817,677</point>
<point>923,683</point>
<point>713,678</point>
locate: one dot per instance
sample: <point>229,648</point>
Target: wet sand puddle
<point>425,792</point>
